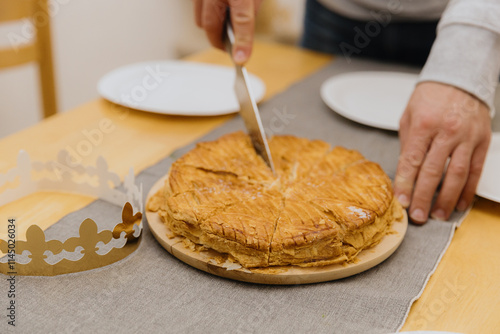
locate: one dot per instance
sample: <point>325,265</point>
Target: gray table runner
<point>151,291</point>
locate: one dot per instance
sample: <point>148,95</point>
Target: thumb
<point>243,20</point>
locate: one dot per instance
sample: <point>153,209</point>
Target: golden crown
<point>91,249</point>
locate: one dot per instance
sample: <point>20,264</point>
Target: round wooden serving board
<point>285,275</point>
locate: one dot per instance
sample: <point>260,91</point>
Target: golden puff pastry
<point>322,206</point>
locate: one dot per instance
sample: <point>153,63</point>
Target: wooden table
<point>461,296</point>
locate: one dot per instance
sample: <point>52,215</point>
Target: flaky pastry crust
<point>323,206</point>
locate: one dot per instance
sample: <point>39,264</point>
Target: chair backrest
<point>39,50</point>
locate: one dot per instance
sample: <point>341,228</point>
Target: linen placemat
<point>153,292</point>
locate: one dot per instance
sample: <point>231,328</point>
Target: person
<point>445,129</point>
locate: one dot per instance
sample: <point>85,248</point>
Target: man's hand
<point>210,15</point>
<point>441,122</point>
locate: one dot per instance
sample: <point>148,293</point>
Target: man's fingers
<point>453,183</point>
<point>476,166</point>
<point>429,176</point>
<point>257,6</point>
<point>243,20</point>
<point>410,160</point>
<point>440,121</point>
<point>198,7</point>
<point>404,125</point>
<point>213,17</point>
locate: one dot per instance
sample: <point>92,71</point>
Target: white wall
<point>90,38</point>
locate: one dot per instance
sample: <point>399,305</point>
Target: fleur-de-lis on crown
<point>128,222</point>
<point>88,239</point>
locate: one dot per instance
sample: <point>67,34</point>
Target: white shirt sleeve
<point>466,52</point>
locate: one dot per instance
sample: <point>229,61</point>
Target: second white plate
<point>176,88</point>
<point>376,99</point>
<point>489,184</point>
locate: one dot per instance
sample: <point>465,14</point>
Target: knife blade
<point>248,107</point>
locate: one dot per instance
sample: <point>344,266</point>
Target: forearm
<point>466,53</point>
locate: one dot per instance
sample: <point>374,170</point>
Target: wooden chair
<point>40,49</point>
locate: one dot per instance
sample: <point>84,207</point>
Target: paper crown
<point>37,256</point>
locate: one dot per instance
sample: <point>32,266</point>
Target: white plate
<point>489,184</point>
<point>176,88</point>
<point>375,99</point>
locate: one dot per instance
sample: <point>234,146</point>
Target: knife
<point>248,107</point>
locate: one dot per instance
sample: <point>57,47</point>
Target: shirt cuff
<point>467,57</point>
